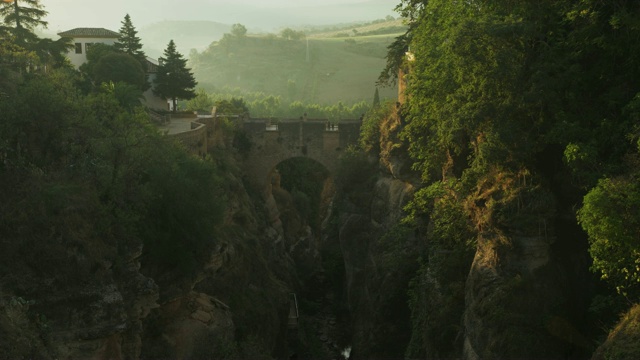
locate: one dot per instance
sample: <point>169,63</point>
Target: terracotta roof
<point>89,32</point>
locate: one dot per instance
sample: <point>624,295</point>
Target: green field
<point>327,70</point>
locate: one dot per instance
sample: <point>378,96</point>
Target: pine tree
<point>376,98</point>
<point>23,16</point>
<point>129,43</point>
<point>173,79</point>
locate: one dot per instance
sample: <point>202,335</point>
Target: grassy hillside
<point>336,69</point>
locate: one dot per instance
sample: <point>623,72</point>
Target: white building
<point>83,38</point>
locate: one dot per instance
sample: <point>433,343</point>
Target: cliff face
<point>517,296</point>
<point>502,273</point>
<point>623,341</point>
<point>99,318</point>
<point>379,260</point>
<point>72,294</point>
<point>67,291</point>
<point>237,306</point>
<point>380,255</point>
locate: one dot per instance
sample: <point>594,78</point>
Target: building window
<point>78,48</point>
<point>87,46</point>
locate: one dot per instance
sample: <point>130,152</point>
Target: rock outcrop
<point>100,319</point>
<point>516,287</point>
<point>623,341</point>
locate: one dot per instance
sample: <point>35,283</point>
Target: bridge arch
<point>328,172</point>
<point>272,143</point>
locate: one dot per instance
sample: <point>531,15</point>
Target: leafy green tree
<point>128,96</point>
<point>117,67</point>
<point>370,130</point>
<point>238,30</point>
<point>99,50</point>
<point>94,54</point>
<point>23,16</point>
<point>291,34</point>
<point>235,106</point>
<point>610,216</point>
<point>53,52</point>
<point>129,42</point>
<point>49,121</point>
<point>202,101</point>
<point>266,107</point>
<point>174,80</point>
<point>395,55</point>
<point>12,59</point>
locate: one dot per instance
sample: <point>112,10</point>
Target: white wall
<point>79,59</point>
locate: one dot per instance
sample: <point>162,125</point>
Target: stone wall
<point>195,140</point>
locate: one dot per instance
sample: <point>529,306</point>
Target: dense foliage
<point>514,111</point>
<point>90,171</point>
<point>522,85</point>
<point>610,217</point>
<point>23,16</point>
<point>19,19</point>
<point>118,67</point>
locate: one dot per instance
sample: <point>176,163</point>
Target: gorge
<point>491,212</point>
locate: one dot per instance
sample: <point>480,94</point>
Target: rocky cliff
<point>237,306</point>
<point>518,299</point>
<point>379,254</point>
<point>84,297</point>
<point>379,260</point>
<point>490,268</point>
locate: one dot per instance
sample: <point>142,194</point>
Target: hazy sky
<point>264,14</point>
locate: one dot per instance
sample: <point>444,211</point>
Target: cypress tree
<point>376,98</point>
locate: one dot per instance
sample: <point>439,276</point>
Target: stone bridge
<point>274,142</point>
<point>267,142</point>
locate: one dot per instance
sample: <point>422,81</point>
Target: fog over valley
<point>258,15</point>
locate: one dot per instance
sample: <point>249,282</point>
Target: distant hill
<point>376,27</point>
<point>322,14</point>
<point>186,34</point>
<point>337,69</point>
<point>268,17</point>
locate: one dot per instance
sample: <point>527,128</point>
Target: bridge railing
<point>273,124</point>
